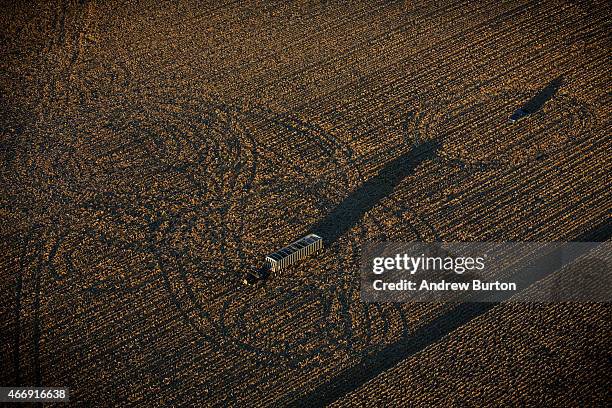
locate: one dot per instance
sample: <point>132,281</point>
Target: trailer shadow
<point>350,211</point>
<point>536,103</point>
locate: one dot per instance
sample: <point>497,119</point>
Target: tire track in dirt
<point>181,143</point>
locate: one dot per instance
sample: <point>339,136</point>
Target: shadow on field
<point>537,102</point>
<point>350,211</point>
<point>375,364</point>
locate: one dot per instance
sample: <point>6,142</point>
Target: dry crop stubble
<point>149,155</point>
<point>155,202</point>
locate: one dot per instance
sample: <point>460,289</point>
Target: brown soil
<point>152,151</point>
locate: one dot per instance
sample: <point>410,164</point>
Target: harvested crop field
<point>151,152</point>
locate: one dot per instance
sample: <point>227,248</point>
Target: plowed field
<point>151,152</point>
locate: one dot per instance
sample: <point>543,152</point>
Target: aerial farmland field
<point>151,153</point>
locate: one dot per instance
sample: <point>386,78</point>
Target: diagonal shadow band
<point>536,103</point>
<point>373,365</point>
<point>350,211</point>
